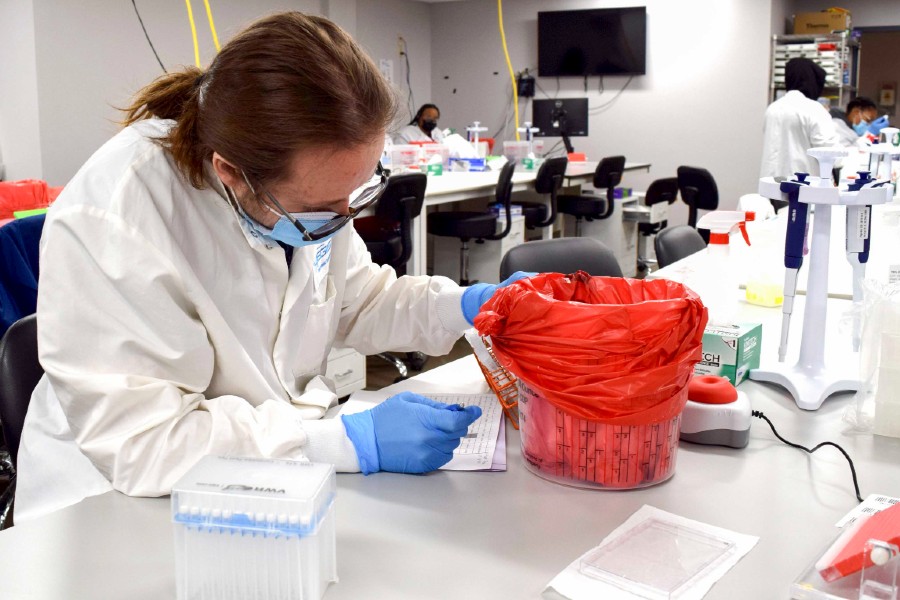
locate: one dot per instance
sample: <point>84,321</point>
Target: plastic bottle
<point>718,284</point>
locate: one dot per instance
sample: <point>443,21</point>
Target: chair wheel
<point>416,360</point>
<point>400,378</point>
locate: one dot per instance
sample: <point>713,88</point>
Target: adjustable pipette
<point>529,132</point>
<point>794,250</point>
<point>473,130</point>
<point>859,235</point>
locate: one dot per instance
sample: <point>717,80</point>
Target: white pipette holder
<point>810,381</point>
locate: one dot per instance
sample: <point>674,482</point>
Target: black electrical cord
<point>610,102</point>
<point>410,99</point>
<point>759,414</point>
<point>147,35</point>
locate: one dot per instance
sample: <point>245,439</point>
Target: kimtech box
<point>730,351</point>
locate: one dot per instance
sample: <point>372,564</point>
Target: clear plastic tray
<point>656,559</point>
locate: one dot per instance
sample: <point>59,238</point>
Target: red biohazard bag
<point>607,349</point>
<point>25,195</point>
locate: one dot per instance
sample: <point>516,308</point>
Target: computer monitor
<point>555,117</point>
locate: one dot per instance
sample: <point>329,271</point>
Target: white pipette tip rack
<point>243,525</point>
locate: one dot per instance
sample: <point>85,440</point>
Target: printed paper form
<point>482,449</point>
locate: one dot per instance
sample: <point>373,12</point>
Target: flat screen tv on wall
<point>603,41</point>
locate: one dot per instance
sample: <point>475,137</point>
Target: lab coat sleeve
<point>130,360</point>
<point>382,312</point>
<point>822,131</point>
<point>402,137</point>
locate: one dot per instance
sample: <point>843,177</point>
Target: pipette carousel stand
<point>810,381</point>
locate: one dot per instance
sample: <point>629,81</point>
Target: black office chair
<point>699,191</point>
<point>388,238</point>
<point>674,243</point>
<point>561,255</point>
<point>607,176</point>
<point>388,234</point>
<point>548,181</point>
<point>661,190</point>
<point>20,372</point>
<point>480,226</point>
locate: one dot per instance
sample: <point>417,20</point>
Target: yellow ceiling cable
<point>512,75</point>
<point>212,28</point>
<point>212,25</point>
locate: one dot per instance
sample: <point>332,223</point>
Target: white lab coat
<point>167,332</point>
<point>848,137</point>
<point>793,125</point>
<point>412,133</point>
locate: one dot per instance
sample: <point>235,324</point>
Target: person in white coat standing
<point>796,122</point>
<point>199,267</point>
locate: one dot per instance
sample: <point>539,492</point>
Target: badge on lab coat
<point>320,263</point>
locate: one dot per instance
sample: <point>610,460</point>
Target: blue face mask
<point>285,232</point>
<point>861,127</point>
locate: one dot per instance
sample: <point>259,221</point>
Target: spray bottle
<point>718,285</point>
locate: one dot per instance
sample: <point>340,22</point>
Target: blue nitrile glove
<point>408,433</point>
<point>476,295</point>
<point>878,124</point>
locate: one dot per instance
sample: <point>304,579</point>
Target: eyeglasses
<point>362,198</point>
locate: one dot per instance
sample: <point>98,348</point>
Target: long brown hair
<point>289,81</point>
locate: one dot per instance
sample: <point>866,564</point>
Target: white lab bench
<point>883,256</point>
<point>457,187</point>
<point>450,535</point>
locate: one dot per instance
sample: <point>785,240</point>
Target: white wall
<point>379,25</point>
<point>20,150</point>
<point>701,102</point>
<point>92,56</point>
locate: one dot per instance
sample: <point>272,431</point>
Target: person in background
<point>422,128</point>
<point>198,269</point>
<point>854,124</point>
<point>796,122</point>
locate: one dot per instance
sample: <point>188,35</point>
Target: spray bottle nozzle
<point>721,223</point>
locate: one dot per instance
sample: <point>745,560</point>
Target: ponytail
<point>289,82</point>
<point>175,96</point>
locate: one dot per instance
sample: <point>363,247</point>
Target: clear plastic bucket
<point>573,451</point>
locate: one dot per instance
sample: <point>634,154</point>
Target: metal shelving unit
<point>837,53</point>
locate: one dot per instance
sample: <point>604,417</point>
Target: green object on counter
<point>21,214</point>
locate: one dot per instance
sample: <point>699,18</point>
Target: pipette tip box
<point>248,528</point>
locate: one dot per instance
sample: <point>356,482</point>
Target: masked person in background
<point>198,269</point>
<point>854,124</point>
<point>422,128</point>
<point>796,122</point>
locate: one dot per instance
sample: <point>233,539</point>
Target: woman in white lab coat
<point>796,122</point>
<point>423,127</point>
<point>197,270</point>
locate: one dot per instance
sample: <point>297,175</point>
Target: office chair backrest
<point>662,190</point>
<point>674,243</point>
<point>400,203</point>
<point>698,190</point>
<point>19,269</point>
<point>20,372</point>
<point>561,255</point>
<point>548,181</point>
<point>404,194</point>
<point>609,172</point>
<point>503,195</point>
